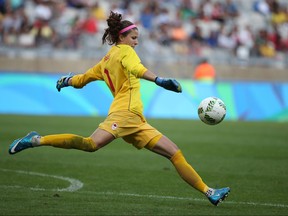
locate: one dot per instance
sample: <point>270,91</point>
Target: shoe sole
<point>223,198</point>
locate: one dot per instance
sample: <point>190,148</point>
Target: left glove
<point>169,84</point>
<point>63,81</point>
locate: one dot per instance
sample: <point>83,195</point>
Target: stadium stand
<point>231,33</point>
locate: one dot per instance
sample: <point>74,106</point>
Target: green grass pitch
<point>249,157</point>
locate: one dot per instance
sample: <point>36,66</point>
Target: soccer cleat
<point>218,195</point>
<point>22,143</point>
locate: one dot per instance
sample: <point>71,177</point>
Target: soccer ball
<point>212,110</point>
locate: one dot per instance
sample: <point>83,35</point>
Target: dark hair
<point>115,25</point>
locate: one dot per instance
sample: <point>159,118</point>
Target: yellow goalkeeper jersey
<point>121,69</point>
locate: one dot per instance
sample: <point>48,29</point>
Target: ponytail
<point>115,25</point>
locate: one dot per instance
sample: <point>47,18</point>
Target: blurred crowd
<point>183,26</point>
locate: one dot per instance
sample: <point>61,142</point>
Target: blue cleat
<point>218,195</point>
<point>22,143</point>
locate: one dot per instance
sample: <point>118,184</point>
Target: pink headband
<point>127,28</point>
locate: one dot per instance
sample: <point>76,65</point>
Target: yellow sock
<point>69,141</point>
<point>187,173</point>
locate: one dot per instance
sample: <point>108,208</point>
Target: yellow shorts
<point>131,127</point>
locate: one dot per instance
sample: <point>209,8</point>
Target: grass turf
<point>250,157</point>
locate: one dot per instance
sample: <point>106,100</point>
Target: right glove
<point>63,81</point>
<point>169,84</point>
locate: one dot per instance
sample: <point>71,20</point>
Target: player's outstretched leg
<point>216,196</point>
<point>22,143</point>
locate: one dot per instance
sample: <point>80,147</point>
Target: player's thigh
<point>141,135</point>
<point>165,147</point>
<point>101,137</point>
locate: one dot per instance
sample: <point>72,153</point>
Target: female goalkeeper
<point>121,70</point>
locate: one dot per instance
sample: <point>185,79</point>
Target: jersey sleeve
<point>132,62</point>
<point>92,74</point>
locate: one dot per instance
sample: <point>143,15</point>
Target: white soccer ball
<point>212,110</point>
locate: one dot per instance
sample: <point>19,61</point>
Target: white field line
<point>74,183</point>
<point>276,205</point>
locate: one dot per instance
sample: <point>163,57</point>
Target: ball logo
<point>114,126</point>
<point>210,106</point>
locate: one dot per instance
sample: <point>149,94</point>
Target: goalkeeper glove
<point>63,81</point>
<point>169,84</point>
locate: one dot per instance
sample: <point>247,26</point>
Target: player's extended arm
<point>167,83</point>
<point>63,82</point>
